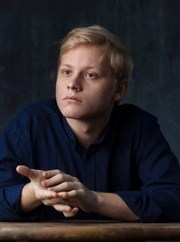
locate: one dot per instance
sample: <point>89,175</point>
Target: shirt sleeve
<point>158,198</point>
<point>13,151</point>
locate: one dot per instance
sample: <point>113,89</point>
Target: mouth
<point>72,99</point>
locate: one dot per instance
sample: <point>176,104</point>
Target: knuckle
<point>67,185</point>
<point>75,193</point>
<point>60,176</point>
<point>81,191</point>
<point>75,179</point>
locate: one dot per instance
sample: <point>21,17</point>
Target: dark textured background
<point>30,31</point>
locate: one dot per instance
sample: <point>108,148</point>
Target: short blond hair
<point>113,51</point>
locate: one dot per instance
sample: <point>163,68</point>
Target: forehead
<point>83,54</point>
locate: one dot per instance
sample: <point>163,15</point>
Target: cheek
<point>57,90</point>
<point>108,93</point>
<point>59,87</point>
<point>58,83</point>
<point>58,94</point>
<point>102,98</point>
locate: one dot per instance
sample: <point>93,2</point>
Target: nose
<point>74,83</point>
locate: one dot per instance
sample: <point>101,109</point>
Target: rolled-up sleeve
<point>12,149</point>
<point>158,198</point>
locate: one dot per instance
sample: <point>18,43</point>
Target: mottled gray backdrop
<point>30,31</point>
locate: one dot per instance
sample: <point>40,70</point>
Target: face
<point>85,87</point>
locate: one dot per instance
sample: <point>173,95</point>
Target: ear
<point>120,90</point>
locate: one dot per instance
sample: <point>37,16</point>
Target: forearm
<point>111,205</point>
<point>28,199</point>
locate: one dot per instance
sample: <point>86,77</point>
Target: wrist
<point>29,201</point>
<point>96,202</point>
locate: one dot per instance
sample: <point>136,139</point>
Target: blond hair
<point>112,49</point>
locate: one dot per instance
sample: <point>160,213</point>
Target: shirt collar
<point>104,136</point>
<point>68,131</point>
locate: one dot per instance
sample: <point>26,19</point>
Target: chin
<point>75,113</point>
<point>71,115</point>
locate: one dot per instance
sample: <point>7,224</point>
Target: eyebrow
<point>86,67</point>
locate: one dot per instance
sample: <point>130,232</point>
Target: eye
<point>91,75</point>
<point>66,72</point>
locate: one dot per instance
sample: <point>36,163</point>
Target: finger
<point>51,173</point>
<point>62,208</point>
<point>67,195</point>
<point>73,193</point>
<point>51,201</point>
<point>56,201</point>
<point>26,171</point>
<point>63,195</point>
<point>67,210</point>
<point>46,195</point>
<point>65,187</point>
<point>57,179</point>
<point>73,212</point>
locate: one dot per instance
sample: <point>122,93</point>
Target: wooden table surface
<point>88,231</point>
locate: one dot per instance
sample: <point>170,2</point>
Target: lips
<point>72,99</point>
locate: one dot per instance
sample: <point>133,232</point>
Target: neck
<point>87,132</point>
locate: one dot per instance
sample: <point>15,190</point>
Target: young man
<point>82,155</point>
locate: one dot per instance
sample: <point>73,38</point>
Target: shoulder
<point>133,112</point>
<point>129,115</point>
<point>41,109</point>
<point>36,112</point>
<point>135,125</point>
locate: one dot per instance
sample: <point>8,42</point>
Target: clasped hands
<point>57,189</point>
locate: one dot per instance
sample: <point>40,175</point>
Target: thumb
<point>26,171</point>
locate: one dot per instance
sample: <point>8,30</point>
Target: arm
<point>34,193</point>
<point>112,205</point>
<point>18,201</point>
<point>71,190</point>
<point>10,183</point>
<point>157,198</point>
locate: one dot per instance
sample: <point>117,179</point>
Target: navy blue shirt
<point>131,159</point>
